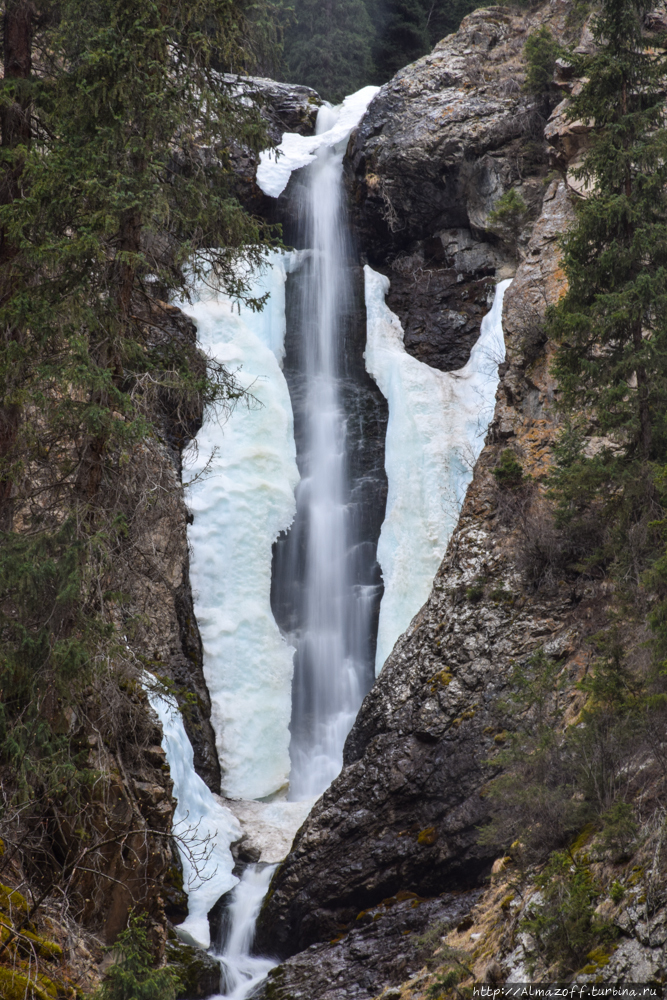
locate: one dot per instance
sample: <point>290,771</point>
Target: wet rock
<point>384,946</point>
<point>421,159</point>
<point>286,107</point>
<point>405,811</point>
<point>166,633</point>
<point>199,972</point>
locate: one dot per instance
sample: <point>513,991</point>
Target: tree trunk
<point>645,431</point>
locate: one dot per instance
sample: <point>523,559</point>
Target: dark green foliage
<point>456,964</point>
<point>47,636</point>
<point>617,892</point>
<point>611,326</point>
<point>133,975</point>
<point>475,593</point>
<point>402,35</point>
<point>619,828</point>
<point>444,982</point>
<point>509,216</point>
<point>564,924</point>
<point>328,47</point>
<point>541,51</point>
<point>533,797</point>
<point>554,781</point>
<point>342,45</point>
<point>508,473</point>
<point>405,30</point>
<point>113,209</point>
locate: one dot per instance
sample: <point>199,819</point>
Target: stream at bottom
<point>242,972</point>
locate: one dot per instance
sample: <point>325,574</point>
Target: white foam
<point>297,151</point>
<point>239,508</point>
<point>242,972</point>
<point>437,424</point>
<point>203,826</point>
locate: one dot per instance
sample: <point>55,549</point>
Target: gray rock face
<point>441,292</point>
<point>286,107</point>
<point>167,633</point>
<point>384,947</point>
<point>405,811</point>
<point>438,144</point>
<point>438,147</point>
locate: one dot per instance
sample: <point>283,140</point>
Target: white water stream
<point>242,971</point>
<point>246,497</point>
<point>314,572</point>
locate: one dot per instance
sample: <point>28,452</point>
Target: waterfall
<point>322,586</point>
<point>318,592</point>
<point>242,971</point>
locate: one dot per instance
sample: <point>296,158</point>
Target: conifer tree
<point>408,29</point>
<point>612,322</point>
<point>115,199</point>
<point>328,47</point>
<point>402,35</point>
<point>133,975</point>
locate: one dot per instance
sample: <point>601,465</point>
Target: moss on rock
<point>199,972</point>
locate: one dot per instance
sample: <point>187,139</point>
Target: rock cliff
<point>439,145</point>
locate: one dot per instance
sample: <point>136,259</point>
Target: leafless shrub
<point>475,70</point>
<point>509,86</point>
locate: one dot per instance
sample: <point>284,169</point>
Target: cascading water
<point>242,971</point>
<point>322,593</point>
<point>325,582</point>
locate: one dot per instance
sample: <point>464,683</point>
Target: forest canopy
<point>338,46</point>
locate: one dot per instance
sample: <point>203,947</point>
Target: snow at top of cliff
<point>295,151</point>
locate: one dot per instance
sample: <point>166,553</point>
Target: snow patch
<point>295,151</point>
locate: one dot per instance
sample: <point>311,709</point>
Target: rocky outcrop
<point>439,145</point>
<point>285,107</point>
<point>164,629</point>
<point>492,945</point>
<point>387,944</point>
<point>405,812</point>
<point>445,138</point>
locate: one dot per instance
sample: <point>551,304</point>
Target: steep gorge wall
<point>438,146</point>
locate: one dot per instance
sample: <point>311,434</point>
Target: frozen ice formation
<point>204,828</point>
<point>437,424</point>
<point>242,501</point>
